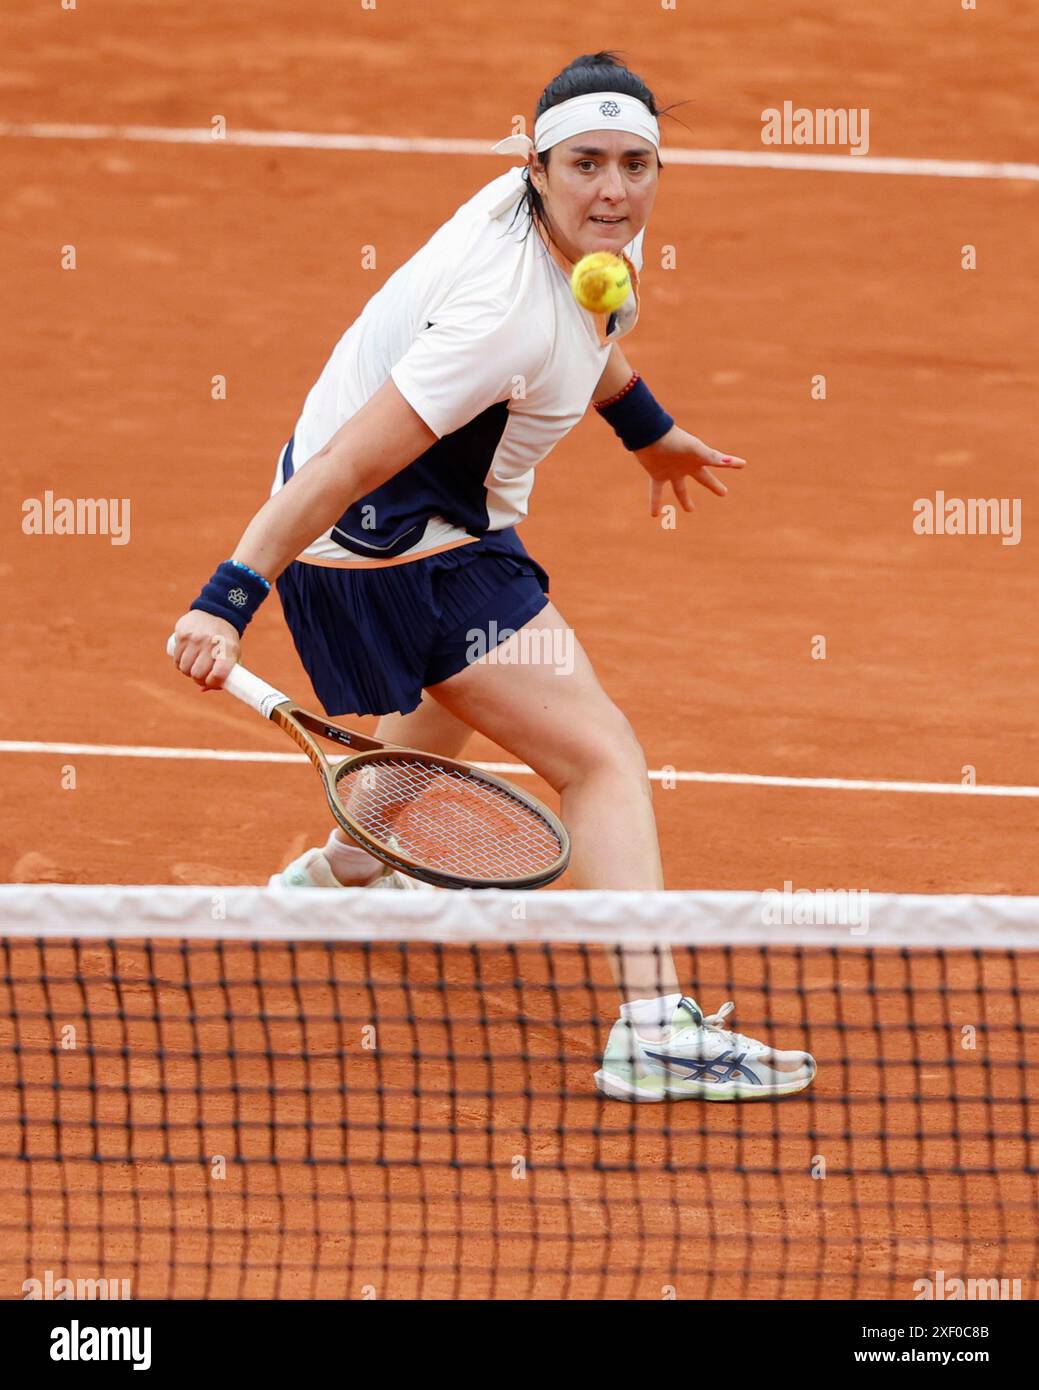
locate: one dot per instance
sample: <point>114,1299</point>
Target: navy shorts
<point>371,640</point>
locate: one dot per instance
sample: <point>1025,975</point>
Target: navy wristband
<point>233,593</point>
<point>636,416</point>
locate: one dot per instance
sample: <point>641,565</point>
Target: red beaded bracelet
<point>601,405</point>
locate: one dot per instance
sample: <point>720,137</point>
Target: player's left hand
<point>678,456</point>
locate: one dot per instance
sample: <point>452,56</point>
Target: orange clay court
<point>206,258</point>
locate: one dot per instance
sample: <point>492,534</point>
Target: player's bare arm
<point>383,437</point>
<point>616,375</point>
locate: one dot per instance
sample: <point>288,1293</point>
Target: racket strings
<point>447,819</point>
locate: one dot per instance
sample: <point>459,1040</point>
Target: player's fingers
<point>189,649</point>
<point>727,460</point>
<point>201,667</point>
<point>225,650</point>
<point>706,479</point>
<point>681,488</point>
<point>656,489</point>
<point>220,672</point>
<point>185,656</point>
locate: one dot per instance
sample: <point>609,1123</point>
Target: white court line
<point>395,144</point>
<point>738,779</point>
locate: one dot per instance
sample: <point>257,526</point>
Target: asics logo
<point>238,597</point>
<point>609,108</point>
<point>724,1068</point>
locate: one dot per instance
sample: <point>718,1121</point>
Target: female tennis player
<point>390,534</point>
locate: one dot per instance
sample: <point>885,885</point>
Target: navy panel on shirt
<point>448,480</point>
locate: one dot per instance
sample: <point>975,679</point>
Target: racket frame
<point>301,726</point>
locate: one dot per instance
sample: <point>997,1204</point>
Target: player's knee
<point>630,754</point>
<point>606,743</point>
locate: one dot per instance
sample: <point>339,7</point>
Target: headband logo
<point>609,108</point>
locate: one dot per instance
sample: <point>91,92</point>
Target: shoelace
<point>716,1021</point>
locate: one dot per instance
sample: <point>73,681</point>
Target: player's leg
<point>345,625</point>
<point>542,701</point>
<point>554,715</point>
<point>430,727</point>
<point>340,861</point>
<point>558,719</point>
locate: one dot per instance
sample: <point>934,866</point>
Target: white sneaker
<point>698,1059</point>
<point>312,870</point>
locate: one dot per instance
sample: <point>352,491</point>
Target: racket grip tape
<point>244,686</point>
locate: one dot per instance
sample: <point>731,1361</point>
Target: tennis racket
<point>438,820</point>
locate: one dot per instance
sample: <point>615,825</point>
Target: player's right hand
<point>207,648</point>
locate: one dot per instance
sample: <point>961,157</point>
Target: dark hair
<point>591,72</point>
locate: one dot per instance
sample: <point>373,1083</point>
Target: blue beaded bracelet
<point>636,416</point>
<point>233,593</point>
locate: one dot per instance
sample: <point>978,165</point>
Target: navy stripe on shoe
<point>723,1068</point>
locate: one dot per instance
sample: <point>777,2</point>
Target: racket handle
<point>244,686</point>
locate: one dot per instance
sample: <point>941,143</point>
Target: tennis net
<point>379,1095</point>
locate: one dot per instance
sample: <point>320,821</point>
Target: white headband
<point>595,111</point>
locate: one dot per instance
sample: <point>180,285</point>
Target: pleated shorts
<point>371,640</point>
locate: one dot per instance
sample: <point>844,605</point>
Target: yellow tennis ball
<point>600,282</point>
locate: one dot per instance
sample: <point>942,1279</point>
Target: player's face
<point>598,190</point>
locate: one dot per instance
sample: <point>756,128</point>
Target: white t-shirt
<point>484,339</point>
